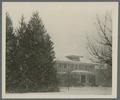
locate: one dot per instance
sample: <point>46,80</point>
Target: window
<point>80,67</point>
<point>64,66</point>
<point>76,66</point>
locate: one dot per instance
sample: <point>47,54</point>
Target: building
<point>78,73</point>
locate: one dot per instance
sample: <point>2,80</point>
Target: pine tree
<point>10,55</point>
<point>37,56</point>
<point>21,55</point>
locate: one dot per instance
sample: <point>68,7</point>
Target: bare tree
<point>100,49</point>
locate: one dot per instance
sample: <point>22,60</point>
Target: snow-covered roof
<point>81,72</point>
<point>77,72</point>
<point>61,72</point>
<point>66,60</point>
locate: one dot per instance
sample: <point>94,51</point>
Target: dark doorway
<point>82,79</point>
<point>92,80</point>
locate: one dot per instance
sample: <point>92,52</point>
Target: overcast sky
<point>68,24</point>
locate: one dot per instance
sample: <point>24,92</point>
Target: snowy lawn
<point>78,91</point>
<point>74,92</point>
<point>87,90</point>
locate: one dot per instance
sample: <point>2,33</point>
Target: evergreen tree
<point>36,56</point>
<point>11,72</point>
<point>21,56</point>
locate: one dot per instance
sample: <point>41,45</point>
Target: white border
<point>55,95</point>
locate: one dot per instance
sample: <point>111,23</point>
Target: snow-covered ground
<point>73,92</point>
<point>87,90</point>
<point>78,91</point>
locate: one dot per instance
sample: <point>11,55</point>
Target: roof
<point>74,57</point>
<point>66,60</point>
<point>77,72</point>
<point>81,72</point>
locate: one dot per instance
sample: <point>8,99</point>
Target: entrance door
<point>92,80</point>
<point>83,79</point>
